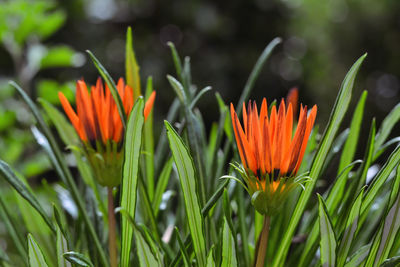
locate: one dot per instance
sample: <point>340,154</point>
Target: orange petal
<point>149,104</point>
<point>72,116</point>
<point>280,136</point>
<point>293,98</point>
<point>245,152</point>
<point>297,140</point>
<point>85,109</point>
<point>258,148</point>
<point>310,124</point>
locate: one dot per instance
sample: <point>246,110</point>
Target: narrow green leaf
<point>387,125</point>
<point>19,186</point>
<point>392,262</point>
<point>328,240</point>
<point>186,259</point>
<point>131,66</point>
<point>379,180</point>
<point>78,259</point>
<point>210,259</point>
<point>198,96</point>
<point>176,59</point>
<point>388,229</point>
<point>338,112</point>
<point>62,247</point>
<point>148,143</point>
<point>350,230</point>
<point>350,146</point>
<point>146,257</point>
<point>111,85</point>
<point>204,212</point>
<point>162,185</point>
<point>228,247</point>
<point>186,171</point>
<point>255,73</point>
<point>12,229</point>
<point>178,88</point>
<point>133,141</point>
<point>36,257</point>
<point>358,257</point>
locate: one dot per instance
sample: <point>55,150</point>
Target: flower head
<point>99,126</point>
<point>271,154</point>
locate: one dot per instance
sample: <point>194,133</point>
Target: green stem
<point>112,240</point>
<point>262,243</point>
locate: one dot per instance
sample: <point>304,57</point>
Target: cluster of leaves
<point>166,193</point>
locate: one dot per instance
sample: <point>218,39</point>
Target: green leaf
<point>387,125</point>
<point>131,66</point>
<point>36,258</point>
<point>388,229</point>
<point>12,229</point>
<point>186,171</point>
<point>62,247</point>
<point>61,56</point>
<point>162,185</point>
<point>147,250</point>
<point>228,247</point>
<point>178,88</point>
<point>350,146</point>
<point>379,180</point>
<point>392,262</point>
<point>148,142</point>
<point>186,259</point>
<point>210,259</point>
<point>338,112</point>
<point>78,259</point>
<point>146,256</point>
<point>176,59</point>
<point>19,186</point>
<point>350,230</point>
<point>358,257</point>
<point>133,142</point>
<point>328,240</point>
<point>111,86</point>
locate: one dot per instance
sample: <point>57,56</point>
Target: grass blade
<point>133,142</point>
<point>111,85</point>
<point>228,247</point>
<point>358,257</point>
<point>328,240</point>
<point>186,259</point>
<point>131,66</point>
<point>78,259</point>
<point>186,171</point>
<point>19,186</point>
<point>389,227</point>
<point>36,257</point>
<point>162,185</point>
<point>387,125</point>
<point>62,247</point>
<point>350,230</point>
<point>148,143</point>
<point>338,112</point>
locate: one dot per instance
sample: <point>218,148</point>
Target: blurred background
<point>43,47</point>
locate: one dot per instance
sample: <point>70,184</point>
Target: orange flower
<point>271,154</point>
<point>98,117</point>
<point>99,126</point>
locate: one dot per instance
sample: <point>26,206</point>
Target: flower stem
<point>262,243</point>
<point>112,240</point>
